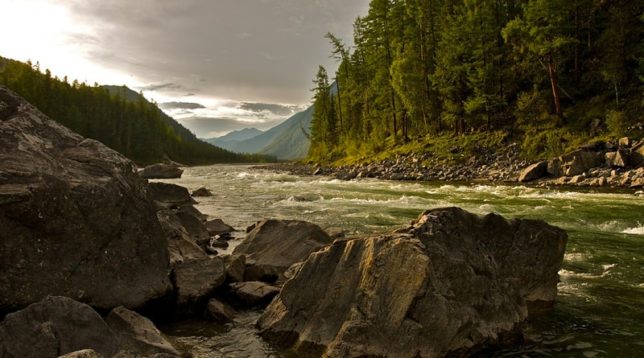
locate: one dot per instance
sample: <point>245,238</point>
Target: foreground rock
<point>137,335</point>
<point>253,293</point>
<point>274,245</point>
<point>202,192</point>
<point>54,327</point>
<point>85,353</point>
<point>161,171</point>
<point>196,279</point>
<point>73,214</point>
<point>449,284</point>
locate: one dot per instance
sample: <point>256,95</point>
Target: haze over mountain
<point>230,139</point>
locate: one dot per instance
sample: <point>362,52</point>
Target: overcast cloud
<point>251,52</point>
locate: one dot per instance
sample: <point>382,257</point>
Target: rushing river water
<point>600,309</point>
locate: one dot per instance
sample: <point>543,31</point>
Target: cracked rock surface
<point>451,283</point>
<point>76,218</point>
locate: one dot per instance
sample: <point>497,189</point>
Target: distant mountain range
<point>229,140</point>
<point>286,141</point>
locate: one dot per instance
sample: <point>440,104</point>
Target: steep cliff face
<point>451,282</point>
<point>76,218</point>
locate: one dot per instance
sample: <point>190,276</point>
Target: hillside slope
<point>286,141</point>
<point>116,116</point>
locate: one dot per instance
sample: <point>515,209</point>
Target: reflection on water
<point>601,294</point>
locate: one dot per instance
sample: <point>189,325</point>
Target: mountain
<point>229,140</point>
<point>286,141</point>
<point>116,116</point>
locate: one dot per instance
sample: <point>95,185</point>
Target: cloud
<point>254,51</point>
<point>276,109</point>
<point>181,105</point>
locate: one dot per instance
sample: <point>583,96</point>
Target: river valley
<point>600,309</point>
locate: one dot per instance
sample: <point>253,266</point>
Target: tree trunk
<point>552,73</point>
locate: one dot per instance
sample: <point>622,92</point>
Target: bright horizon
<point>217,66</point>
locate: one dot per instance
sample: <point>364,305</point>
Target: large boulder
<point>581,161</point>
<point>637,155</point>
<point>534,172</point>
<point>76,218</point>
<point>161,171</point>
<point>195,280</point>
<point>170,195</point>
<point>54,327</point>
<point>617,159</point>
<point>253,293</point>
<point>449,284</point>
<point>274,245</point>
<point>137,335</point>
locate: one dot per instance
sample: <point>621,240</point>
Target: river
<point>600,308</point>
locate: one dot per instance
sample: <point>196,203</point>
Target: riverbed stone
<point>218,227</point>
<point>534,172</point>
<point>76,219</point>
<point>617,159</point>
<point>55,326</point>
<point>235,268</point>
<point>196,279</point>
<point>85,353</point>
<point>170,195</point>
<point>274,245</point>
<point>137,335</point>
<point>450,283</point>
<point>219,311</point>
<point>161,171</point>
<point>253,293</point>
<point>202,192</point>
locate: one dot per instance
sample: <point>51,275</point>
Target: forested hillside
<point>547,73</point>
<point>116,116</point>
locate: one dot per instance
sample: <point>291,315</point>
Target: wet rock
<point>203,192</point>
<point>195,228</point>
<point>161,171</point>
<point>85,353</point>
<point>450,283</point>
<point>181,247</point>
<point>219,311</point>
<point>73,213</point>
<point>53,327</point>
<point>196,279</point>
<point>253,293</point>
<point>218,226</point>
<point>170,195</point>
<point>219,243</point>
<point>235,268</point>
<point>534,172</point>
<point>137,334</point>
<point>274,245</point>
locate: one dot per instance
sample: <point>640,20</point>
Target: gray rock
<point>617,159</point>
<point>170,195</point>
<point>203,192</point>
<point>53,327</point>
<point>580,161</point>
<point>137,334</point>
<point>196,279</point>
<point>219,311</point>
<point>274,245</point>
<point>85,353</point>
<point>161,171</point>
<point>218,227</point>
<point>181,247</point>
<point>637,156</point>
<point>449,284</point>
<point>253,293</point>
<point>76,218</point>
<point>235,268</point>
<point>534,172</point>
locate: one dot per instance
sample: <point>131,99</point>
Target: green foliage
<point>616,122</point>
<point>546,69</point>
<point>116,116</point>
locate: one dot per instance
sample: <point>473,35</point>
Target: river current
<point>600,305</point>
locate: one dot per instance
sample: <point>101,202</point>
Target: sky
<point>214,65</point>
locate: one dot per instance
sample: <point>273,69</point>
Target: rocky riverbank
<point>89,248</point>
<point>618,164</point>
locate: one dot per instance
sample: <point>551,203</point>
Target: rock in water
<point>450,283</point>
<point>161,171</point>
<point>76,218</point>
<point>196,279</point>
<point>54,327</point>
<point>201,192</point>
<point>274,245</point>
<point>253,293</point>
<point>137,335</point>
